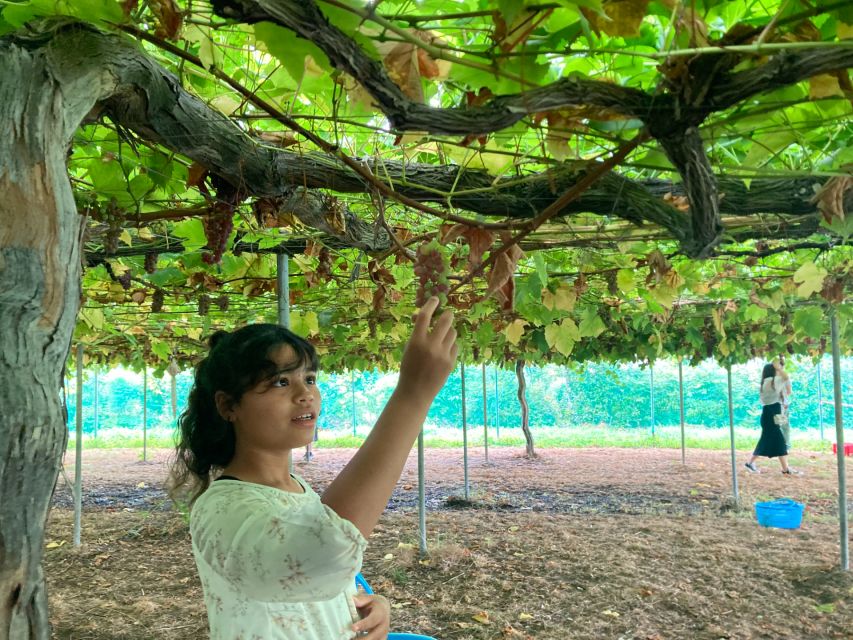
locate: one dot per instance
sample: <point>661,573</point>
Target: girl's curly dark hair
<point>237,362</point>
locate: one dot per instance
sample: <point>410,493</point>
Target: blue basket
<point>782,514</point>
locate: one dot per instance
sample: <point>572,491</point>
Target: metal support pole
<point>497,407</point>
<point>96,404</point>
<point>681,408</point>
<point>282,275</point>
<point>422,543</point>
<point>352,393</point>
<point>464,430</point>
<point>283,278</point>
<point>173,392</point>
<point>144,412</point>
<point>652,395</point>
<point>839,439</point>
<point>732,436</point>
<point>820,399</point>
<point>78,451</point>
<point>485,415</point>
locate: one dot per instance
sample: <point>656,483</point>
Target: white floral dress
<point>275,565</point>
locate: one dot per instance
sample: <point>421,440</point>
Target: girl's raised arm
<point>361,491</point>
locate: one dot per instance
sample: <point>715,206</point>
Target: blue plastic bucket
<point>783,513</point>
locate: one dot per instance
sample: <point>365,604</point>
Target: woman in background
<point>775,388</point>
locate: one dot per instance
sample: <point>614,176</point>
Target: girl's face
<point>279,413</point>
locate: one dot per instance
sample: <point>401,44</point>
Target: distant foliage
<point>600,394</point>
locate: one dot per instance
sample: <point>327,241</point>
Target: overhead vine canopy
<point>603,179</point>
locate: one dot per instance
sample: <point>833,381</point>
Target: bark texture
<point>525,408</point>
<point>42,102</point>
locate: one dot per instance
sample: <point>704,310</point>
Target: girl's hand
<point>375,615</point>
<point>430,355</point>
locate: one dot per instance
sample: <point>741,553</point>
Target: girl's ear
<point>224,405</point>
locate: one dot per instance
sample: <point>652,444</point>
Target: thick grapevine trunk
<point>40,245</point>
<point>525,409</point>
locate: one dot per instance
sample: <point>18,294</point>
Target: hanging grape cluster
<point>431,270</point>
<point>114,218</point>
<point>203,304</point>
<point>324,266</point>
<point>150,262</point>
<point>157,299</point>
<point>217,228</point>
<point>222,302</point>
<point>124,279</point>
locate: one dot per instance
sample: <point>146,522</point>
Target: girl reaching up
<point>276,560</point>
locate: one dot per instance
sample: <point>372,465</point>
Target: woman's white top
<point>275,565</point>
<point>773,393</point>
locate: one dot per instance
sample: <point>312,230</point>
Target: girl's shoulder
<point>229,493</point>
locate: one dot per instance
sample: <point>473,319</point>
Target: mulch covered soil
<point>587,544</point>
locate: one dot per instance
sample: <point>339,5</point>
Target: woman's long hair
<point>769,371</point>
<point>236,362</point>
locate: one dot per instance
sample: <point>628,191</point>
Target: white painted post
<point>485,415</point>
<point>839,440</point>
<point>352,394</point>
<point>282,274</point>
<point>145,412</point>
<point>422,542</point>
<point>652,395</point>
<point>464,430</point>
<point>78,452</point>
<point>497,407</point>
<point>732,436</point>
<point>681,408</point>
<point>820,399</point>
<point>95,434</point>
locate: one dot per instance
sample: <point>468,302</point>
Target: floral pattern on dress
<point>273,564</point>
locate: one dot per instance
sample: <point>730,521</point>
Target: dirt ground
<point>583,544</point>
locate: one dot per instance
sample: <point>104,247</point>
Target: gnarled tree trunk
<point>42,102</point>
<point>525,409</point>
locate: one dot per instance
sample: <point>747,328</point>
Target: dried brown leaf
<point>830,197</point>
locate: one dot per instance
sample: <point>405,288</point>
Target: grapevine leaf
<point>514,330</point>
<point>810,322</point>
<point>591,325</point>
<point>810,278</point>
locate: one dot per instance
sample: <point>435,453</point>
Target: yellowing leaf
<point>145,233</point>
<point>824,86</point>
<point>810,279</point>
<point>609,613</point>
<point>562,336</point>
<point>565,298</point>
<point>524,616</point>
<point>482,617</point>
<point>364,294</point>
<point>514,330</point>
<point>663,295</point>
<point>388,556</point>
<point>623,17</point>
<point>54,545</point>
<point>225,103</point>
<point>124,236</point>
<point>717,318</point>
<point>93,317</point>
<point>625,280</point>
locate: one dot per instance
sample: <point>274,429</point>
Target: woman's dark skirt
<point>772,441</point>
